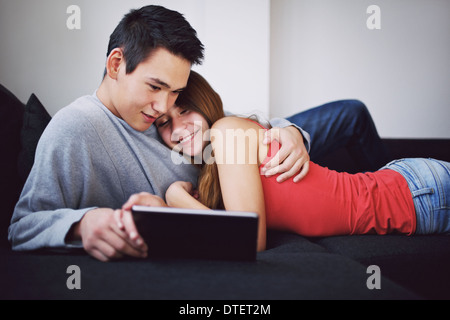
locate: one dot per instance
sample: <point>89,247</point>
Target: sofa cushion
<point>286,242</point>
<point>11,115</point>
<point>419,263</point>
<point>35,121</point>
<point>273,276</point>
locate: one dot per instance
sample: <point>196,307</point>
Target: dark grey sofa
<point>292,268</point>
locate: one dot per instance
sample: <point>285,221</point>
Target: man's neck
<point>103,94</point>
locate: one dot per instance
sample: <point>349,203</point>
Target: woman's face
<point>183,130</point>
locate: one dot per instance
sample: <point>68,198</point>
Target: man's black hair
<point>150,27</point>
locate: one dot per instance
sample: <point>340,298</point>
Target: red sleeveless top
<point>327,203</point>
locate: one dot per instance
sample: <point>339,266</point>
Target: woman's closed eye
<point>183,111</point>
<point>161,122</point>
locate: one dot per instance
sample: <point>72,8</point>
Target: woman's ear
<point>114,63</point>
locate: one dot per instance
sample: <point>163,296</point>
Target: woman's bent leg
<point>429,182</point>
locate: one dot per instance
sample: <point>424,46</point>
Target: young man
<point>102,148</point>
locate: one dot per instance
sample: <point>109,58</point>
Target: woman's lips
<point>188,138</point>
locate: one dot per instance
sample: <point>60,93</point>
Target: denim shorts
<point>429,183</point>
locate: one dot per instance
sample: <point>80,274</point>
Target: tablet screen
<point>173,233</point>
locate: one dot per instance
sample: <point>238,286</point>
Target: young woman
<point>409,196</point>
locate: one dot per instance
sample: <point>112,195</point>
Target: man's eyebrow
<point>165,85</point>
<point>160,82</point>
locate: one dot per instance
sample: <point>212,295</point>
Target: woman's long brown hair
<point>200,97</point>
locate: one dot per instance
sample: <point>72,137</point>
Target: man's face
<point>150,90</point>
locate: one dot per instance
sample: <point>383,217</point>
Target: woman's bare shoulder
<point>226,130</point>
<point>235,123</point>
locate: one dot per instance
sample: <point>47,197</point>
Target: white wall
<point>39,54</point>
<point>323,51</point>
<point>278,55</point>
<point>236,34</point>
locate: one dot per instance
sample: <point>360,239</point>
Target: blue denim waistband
<point>429,183</point>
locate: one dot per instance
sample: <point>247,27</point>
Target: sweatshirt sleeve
<point>283,123</point>
<point>53,195</point>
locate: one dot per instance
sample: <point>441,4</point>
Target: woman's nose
<point>178,127</point>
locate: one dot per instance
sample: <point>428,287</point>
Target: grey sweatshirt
<point>88,158</point>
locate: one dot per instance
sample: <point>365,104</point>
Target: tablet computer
<point>173,233</point>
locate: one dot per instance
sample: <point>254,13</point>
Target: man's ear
<point>114,63</point>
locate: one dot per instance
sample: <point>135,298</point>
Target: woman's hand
<point>292,158</point>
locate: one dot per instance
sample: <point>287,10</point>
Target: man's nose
<point>162,103</point>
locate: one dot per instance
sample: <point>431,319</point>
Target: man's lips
<point>148,118</point>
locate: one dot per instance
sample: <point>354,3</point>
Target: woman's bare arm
<point>179,195</point>
<point>237,145</point>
